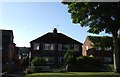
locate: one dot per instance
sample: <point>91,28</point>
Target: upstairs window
<point>49,47</point>
<point>36,46</point>
<point>87,47</point>
<point>59,47</point>
<point>65,47</point>
<point>76,47</point>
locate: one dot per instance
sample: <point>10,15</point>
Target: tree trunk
<point>116,53</point>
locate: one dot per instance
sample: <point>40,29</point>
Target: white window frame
<point>76,47</point>
<point>68,47</point>
<point>87,48</point>
<point>49,47</point>
<point>36,46</point>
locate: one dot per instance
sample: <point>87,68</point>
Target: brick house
<point>101,47</point>
<point>7,47</point>
<point>53,45</point>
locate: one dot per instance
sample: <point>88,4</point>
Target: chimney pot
<point>55,30</point>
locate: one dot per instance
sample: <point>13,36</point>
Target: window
<point>107,59</point>
<point>76,47</point>
<point>36,46</point>
<point>50,60</point>
<point>86,47</point>
<point>59,47</point>
<point>71,47</point>
<point>49,47</point>
<point>108,48</point>
<point>65,47</point>
<point>60,60</point>
<point>98,48</point>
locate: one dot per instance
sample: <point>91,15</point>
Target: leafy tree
<point>99,16</point>
<point>101,42</point>
<point>69,57</point>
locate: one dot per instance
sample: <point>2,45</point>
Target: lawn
<point>75,74</point>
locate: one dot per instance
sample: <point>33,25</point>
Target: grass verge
<point>75,74</point>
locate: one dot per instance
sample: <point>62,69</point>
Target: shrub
<point>69,57</point>
<point>28,71</point>
<point>85,64</point>
<point>38,61</point>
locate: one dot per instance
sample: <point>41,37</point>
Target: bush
<point>28,71</point>
<point>85,64</point>
<point>38,61</point>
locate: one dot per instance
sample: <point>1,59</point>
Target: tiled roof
<point>57,38</point>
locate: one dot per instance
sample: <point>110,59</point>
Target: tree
<point>103,42</point>
<point>69,57</point>
<point>99,17</point>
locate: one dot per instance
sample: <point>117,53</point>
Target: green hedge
<point>85,64</point>
<point>38,61</point>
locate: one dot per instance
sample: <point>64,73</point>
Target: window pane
<point>76,47</point>
<point>60,47</point>
<point>36,46</point>
<point>64,47</point>
<point>107,59</point>
<point>50,60</point>
<point>71,47</point>
<point>60,60</point>
<point>87,48</point>
<point>49,47</point>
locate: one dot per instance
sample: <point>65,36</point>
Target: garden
<point>75,66</point>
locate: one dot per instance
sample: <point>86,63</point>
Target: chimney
<point>55,30</point>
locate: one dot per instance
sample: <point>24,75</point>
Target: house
<point>101,47</point>
<point>23,52</point>
<point>53,45</point>
<point>7,46</point>
<point>23,57</point>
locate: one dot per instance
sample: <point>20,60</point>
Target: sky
<point>30,20</point>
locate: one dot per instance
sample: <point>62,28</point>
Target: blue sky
<point>30,20</point>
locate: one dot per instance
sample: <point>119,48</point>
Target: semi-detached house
<point>53,45</point>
